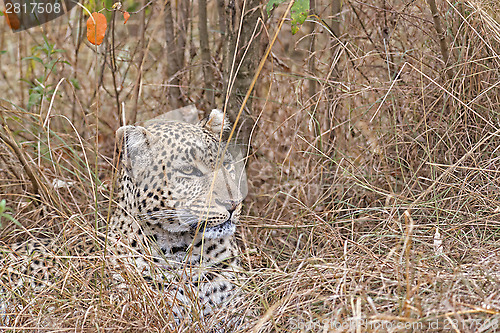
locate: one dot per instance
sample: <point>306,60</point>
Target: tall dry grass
<point>373,198</point>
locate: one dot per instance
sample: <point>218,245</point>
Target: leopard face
<point>180,178</point>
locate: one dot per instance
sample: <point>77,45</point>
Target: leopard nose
<point>229,205</point>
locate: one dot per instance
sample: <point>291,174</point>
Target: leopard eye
<point>191,171</point>
<point>226,163</point>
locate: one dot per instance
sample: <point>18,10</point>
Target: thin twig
<point>20,156</point>
<point>138,82</point>
<point>312,48</point>
<point>442,37</point>
<point>174,55</point>
<point>113,66</point>
<point>205,52</point>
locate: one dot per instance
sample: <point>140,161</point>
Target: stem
<point>20,156</point>
<point>205,53</point>
<point>241,65</point>
<point>441,35</point>
<point>113,65</point>
<point>173,62</point>
<point>137,88</point>
<point>312,48</point>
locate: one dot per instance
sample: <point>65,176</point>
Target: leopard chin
<point>221,230</point>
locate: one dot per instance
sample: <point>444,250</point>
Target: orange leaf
<point>126,16</point>
<point>12,20</point>
<point>96,28</point>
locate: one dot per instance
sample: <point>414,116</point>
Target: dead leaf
<point>96,28</point>
<point>12,20</point>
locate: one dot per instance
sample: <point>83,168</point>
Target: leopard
<point>178,199</point>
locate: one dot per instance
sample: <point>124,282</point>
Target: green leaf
<point>31,84</point>
<point>133,7</point>
<point>3,214</point>
<point>8,217</point>
<point>299,11</point>
<point>75,83</point>
<point>34,99</point>
<point>38,89</point>
<point>51,63</point>
<point>272,4</point>
<point>33,58</point>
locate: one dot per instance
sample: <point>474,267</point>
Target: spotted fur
<point>178,201</point>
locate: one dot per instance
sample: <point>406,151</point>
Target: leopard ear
<point>218,122</point>
<point>134,146</point>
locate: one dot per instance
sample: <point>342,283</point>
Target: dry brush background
<point>373,169</point>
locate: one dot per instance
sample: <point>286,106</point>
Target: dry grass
<point>373,203</point>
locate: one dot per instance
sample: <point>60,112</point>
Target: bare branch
<point>137,88</point>
<point>205,53</point>
<point>441,35</point>
<point>20,156</point>
<point>173,62</point>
